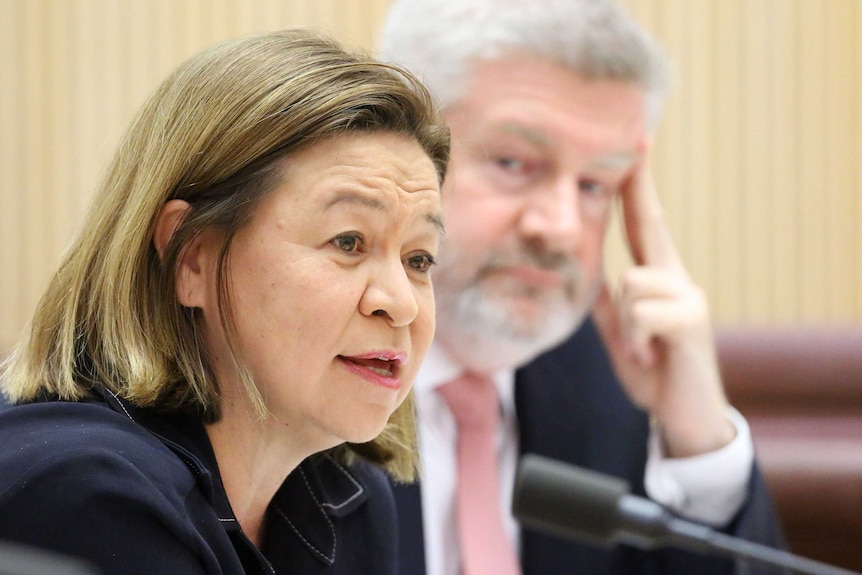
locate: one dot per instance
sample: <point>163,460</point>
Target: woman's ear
<point>190,273</point>
<point>169,219</point>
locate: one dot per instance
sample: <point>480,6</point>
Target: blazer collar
<point>317,491</point>
<point>313,495</point>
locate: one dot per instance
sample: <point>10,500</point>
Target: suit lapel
<point>411,536</point>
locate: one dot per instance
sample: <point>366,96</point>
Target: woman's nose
<point>390,294</point>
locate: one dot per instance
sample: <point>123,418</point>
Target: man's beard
<point>476,319</point>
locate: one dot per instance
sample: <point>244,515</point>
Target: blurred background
<point>758,161</point>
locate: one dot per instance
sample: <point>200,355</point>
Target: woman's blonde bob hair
<point>215,134</point>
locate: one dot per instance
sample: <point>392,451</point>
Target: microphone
<point>19,559</point>
<point>576,503</point>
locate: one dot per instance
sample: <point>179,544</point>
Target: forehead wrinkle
<point>358,198</point>
<point>355,197</point>
<point>614,162</point>
<point>531,135</point>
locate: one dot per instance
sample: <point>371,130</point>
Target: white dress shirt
<point>709,488</point>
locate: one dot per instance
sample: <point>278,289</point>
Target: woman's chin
<point>366,434</point>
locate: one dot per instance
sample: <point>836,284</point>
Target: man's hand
<point>658,333</point>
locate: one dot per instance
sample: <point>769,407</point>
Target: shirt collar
<point>439,368</point>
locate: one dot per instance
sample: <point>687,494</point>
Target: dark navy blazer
<point>138,493</point>
<point>571,407</point>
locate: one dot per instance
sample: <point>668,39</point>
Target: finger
<point>649,238</point>
<point>650,320</point>
<point>607,320</point>
<point>643,282</point>
<point>639,333</point>
<point>615,324</point>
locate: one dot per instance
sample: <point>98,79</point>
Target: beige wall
<point>760,154</point>
<point>759,157</point>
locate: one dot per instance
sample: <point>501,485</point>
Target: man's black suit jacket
<point>571,408</point>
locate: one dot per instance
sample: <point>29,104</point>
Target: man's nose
<point>552,215</point>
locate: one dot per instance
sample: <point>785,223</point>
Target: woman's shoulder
<point>61,426</point>
<point>83,479</point>
<point>83,443</point>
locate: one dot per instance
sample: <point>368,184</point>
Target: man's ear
<point>190,273</point>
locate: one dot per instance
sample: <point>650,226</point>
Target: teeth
<point>380,371</point>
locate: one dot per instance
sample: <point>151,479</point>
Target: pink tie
<point>485,548</point>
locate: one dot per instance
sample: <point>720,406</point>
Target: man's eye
<point>421,262</point>
<point>510,164</point>
<point>350,243</point>
<point>591,187</point>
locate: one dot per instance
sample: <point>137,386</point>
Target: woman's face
<point>330,287</point>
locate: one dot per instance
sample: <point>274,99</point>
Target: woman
<point>242,316</point>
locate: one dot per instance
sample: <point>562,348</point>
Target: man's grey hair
<point>440,40</point>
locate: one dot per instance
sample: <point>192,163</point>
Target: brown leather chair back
<point>801,390</point>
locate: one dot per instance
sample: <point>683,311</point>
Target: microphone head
<point>19,559</point>
<point>566,500</point>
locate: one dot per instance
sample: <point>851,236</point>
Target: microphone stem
<point>748,551</point>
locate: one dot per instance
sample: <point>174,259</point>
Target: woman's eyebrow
<point>364,200</point>
<point>355,197</point>
<point>436,221</point>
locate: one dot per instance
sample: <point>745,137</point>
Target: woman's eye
<point>350,243</point>
<point>421,262</point>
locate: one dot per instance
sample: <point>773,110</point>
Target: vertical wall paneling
<point>698,194</point>
<point>11,172</point>
<point>856,191</point>
<point>60,167</point>
<point>753,156</point>
<point>35,114</point>
<point>841,244</point>
<point>811,148</point>
<point>724,142</point>
<point>783,171</point>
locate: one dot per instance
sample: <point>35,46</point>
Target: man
<point>552,104</point>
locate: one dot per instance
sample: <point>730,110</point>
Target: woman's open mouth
<point>382,369</point>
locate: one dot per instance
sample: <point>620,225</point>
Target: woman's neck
<point>254,458</point>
